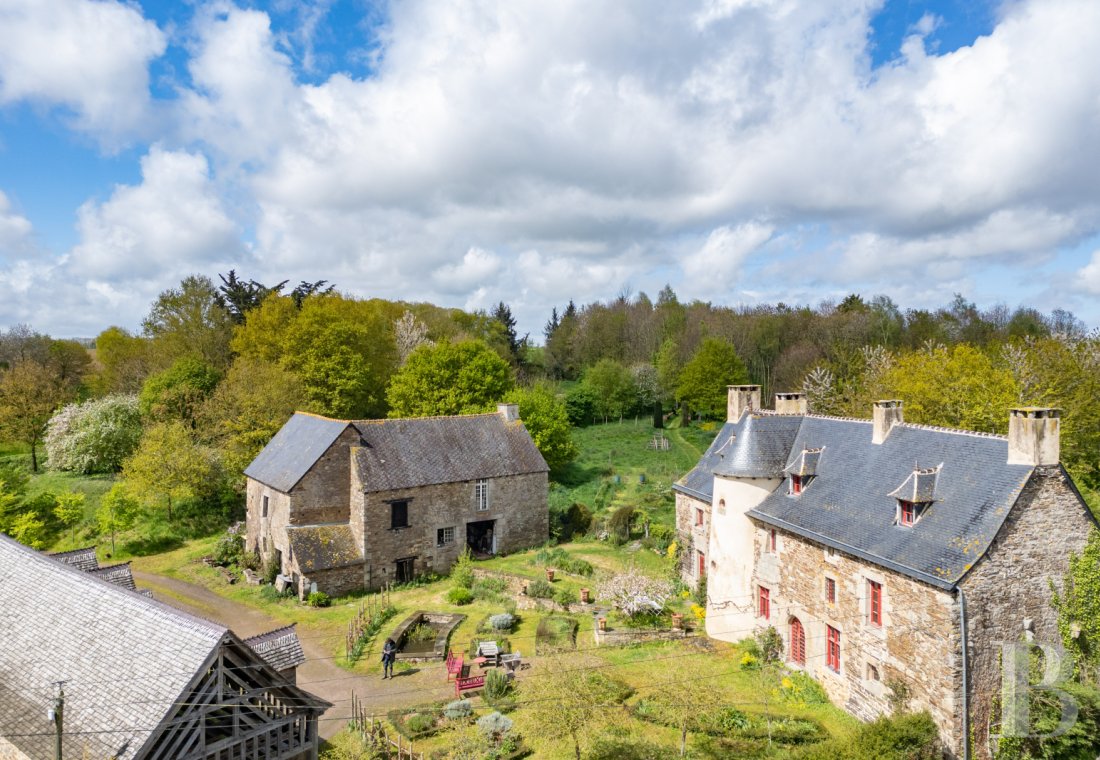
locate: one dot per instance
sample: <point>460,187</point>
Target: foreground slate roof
<point>408,453</point>
<point>280,648</point>
<point>109,645</point>
<point>851,502</point>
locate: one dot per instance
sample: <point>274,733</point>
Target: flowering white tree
<point>94,436</point>
<point>634,593</point>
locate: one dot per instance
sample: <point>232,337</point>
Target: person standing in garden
<point>389,654</point>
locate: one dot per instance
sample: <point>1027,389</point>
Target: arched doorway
<point>797,649</point>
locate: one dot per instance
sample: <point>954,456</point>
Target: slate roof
<point>699,482</point>
<point>804,463</point>
<point>280,648</point>
<point>407,453</point>
<point>920,486</point>
<point>120,575</point>
<point>323,547</point>
<point>849,506</point>
<point>125,658</point>
<point>295,448</point>
<point>82,559</point>
<point>761,446</point>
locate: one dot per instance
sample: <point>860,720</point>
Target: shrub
<point>94,436</point>
<point>502,622</point>
<point>229,549</point>
<point>494,724</point>
<point>462,708</point>
<point>459,596</point>
<point>749,661</point>
<point>318,599</point>
<point>798,688</point>
<point>769,643</point>
<point>540,589</point>
<point>907,737</point>
<point>419,723</point>
<point>566,597</point>
<point>555,632</point>
<point>497,685</point>
<point>576,521</point>
<point>271,572</point>
<point>618,526</point>
<point>626,748</point>
<point>462,572</point>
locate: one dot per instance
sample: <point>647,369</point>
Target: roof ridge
<point>384,420</point>
<point>316,416</point>
<point>274,633</point>
<point>956,431</point>
<point>71,551</point>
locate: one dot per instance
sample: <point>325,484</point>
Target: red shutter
<point>830,590</point>
<point>832,652</point>
<point>702,564</point>
<point>698,516</point>
<point>907,513</point>
<point>876,602</point>
<point>798,642</point>
<point>765,603</point>
<point>796,484</point>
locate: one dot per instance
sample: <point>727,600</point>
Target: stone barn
<point>889,556</point>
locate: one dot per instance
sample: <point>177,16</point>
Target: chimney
<point>510,412</point>
<point>791,403</point>
<point>741,399</point>
<point>1033,435</point>
<point>886,414</point>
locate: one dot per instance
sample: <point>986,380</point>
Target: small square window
<point>764,608</point>
<point>399,514</point>
<point>481,494</point>
<point>872,673</point>
<point>830,591</point>
<point>908,513</point>
<point>721,506</point>
<point>264,508</point>
<point>444,536</point>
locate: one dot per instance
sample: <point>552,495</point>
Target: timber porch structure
<point>142,680</point>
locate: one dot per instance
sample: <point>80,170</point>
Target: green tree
<point>69,511</point>
<point>449,378</point>
<point>29,394</point>
<point>29,529</point>
<point>545,417</point>
<point>190,321</point>
<point>124,361</point>
<point>703,380</point>
<point>179,391</point>
<point>117,512</point>
<point>94,436</point>
<point>613,386</point>
<point>566,693</point>
<point>239,297</point>
<point>169,466</point>
<point>683,701</point>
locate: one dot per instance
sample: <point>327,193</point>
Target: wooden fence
<point>359,627</point>
<point>374,733</point>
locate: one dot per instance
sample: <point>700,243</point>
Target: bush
<point>769,643</point>
<point>625,748</point>
<point>540,589</point>
<point>555,632</point>
<point>462,708</point>
<point>229,550</point>
<point>271,572</point>
<point>497,685</point>
<point>95,436</point>
<point>494,724</point>
<point>503,621</point>
<point>566,597</point>
<point>419,723</point>
<point>906,737</point>
<point>460,596</point>
<point>618,526</point>
<point>798,688</point>
<point>318,599</point>
<point>462,572</point>
<point>575,521</point>
<point>562,560</point>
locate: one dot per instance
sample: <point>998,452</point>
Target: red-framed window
<point>765,607</point>
<point>702,564</point>
<point>796,484</point>
<point>830,591</point>
<point>798,642</point>
<point>832,648</point>
<point>908,513</point>
<point>698,516</point>
<point>771,540</point>
<point>874,596</point>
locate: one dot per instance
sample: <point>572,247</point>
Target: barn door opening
<point>405,569</point>
<point>481,538</point>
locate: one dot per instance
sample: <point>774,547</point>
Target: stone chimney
<point>741,399</point>
<point>885,414</point>
<point>1034,435</point>
<point>791,403</point>
<point>510,412</point>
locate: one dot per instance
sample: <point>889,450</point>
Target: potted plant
<point>677,620</point>
<point>602,623</point>
<point>585,596</point>
<point>550,574</point>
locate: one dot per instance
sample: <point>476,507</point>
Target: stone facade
<point>691,534</point>
<point>1008,592</point>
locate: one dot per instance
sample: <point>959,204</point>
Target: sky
<point>466,152</point>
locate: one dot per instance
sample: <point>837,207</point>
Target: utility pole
<point>57,715</point>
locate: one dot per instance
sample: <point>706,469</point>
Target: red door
<point>798,642</point>
<point>702,564</point>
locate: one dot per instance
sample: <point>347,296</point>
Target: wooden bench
<point>512,662</point>
<point>490,651</point>
<point>468,684</point>
<point>454,666</point>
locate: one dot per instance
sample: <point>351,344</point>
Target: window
<point>481,495</point>
<point>399,514</point>
<point>874,599</point>
<point>832,649</point>
<point>702,564</point>
<point>764,608</point>
<point>265,507</point>
<point>908,513</point>
<point>872,673</point>
<point>265,544</point>
<point>698,516</point>
<point>771,541</point>
<point>796,485</point>
<point>721,506</point>
<point>798,642</point>
<point>444,536</point>
<point>830,591</point>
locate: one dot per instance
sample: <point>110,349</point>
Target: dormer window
<point>911,511</point>
<point>916,495</point>
<point>802,469</point>
<point>796,485</point>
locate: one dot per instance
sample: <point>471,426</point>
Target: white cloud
<point>1088,278</point>
<point>716,266</point>
<point>15,232</point>
<point>90,56</point>
<point>477,267</point>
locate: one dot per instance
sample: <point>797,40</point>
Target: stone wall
<point>917,643</point>
<point>335,582</point>
<point>1010,585</point>
<point>272,527</point>
<point>324,492</point>
<point>691,537</point>
<point>517,503</point>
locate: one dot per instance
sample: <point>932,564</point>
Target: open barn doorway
<point>481,538</point>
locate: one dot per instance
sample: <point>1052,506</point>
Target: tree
<point>94,436</point>
<point>69,511</point>
<point>29,529</point>
<point>703,380</point>
<point>117,512</point>
<point>179,391</point>
<point>449,378</point>
<point>684,701</point>
<point>546,419</point>
<point>69,361</point>
<point>125,361</point>
<point>239,297</point>
<point>190,321</point>
<point>502,314</point>
<point>169,466</point>
<point>29,394</point>
<point>304,290</point>
<point>565,693</point>
<point>613,386</point>
<point>21,343</point>
<point>409,334</point>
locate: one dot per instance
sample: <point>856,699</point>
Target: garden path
<point>319,675</point>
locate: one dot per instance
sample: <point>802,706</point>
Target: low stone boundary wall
<point>624,636</point>
<point>449,621</point>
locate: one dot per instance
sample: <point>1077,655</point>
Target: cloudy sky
<point>470,151</point>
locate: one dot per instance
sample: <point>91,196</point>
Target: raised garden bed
<point>417,647</point>
<point>555,633</point>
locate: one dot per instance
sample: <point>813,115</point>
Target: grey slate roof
<point>280,648</point>
<point>82,559</point>
<point>125,658</point>
<point>407,453</point>
<point>323,547</point>
<point>920,486</point>
<point>849,506</point>
<point>804,463</point>
<point>295,448</point>
<point>761,446</point>
<point>120,575</point>
<point>699,482</point>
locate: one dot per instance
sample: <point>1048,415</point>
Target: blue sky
<point>470,151</point>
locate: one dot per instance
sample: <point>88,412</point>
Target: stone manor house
<point>883,552</point>
<point>353,504</point>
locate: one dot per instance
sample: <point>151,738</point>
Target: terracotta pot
<point>602,623</point>
<point>549,575</point>
<point>677,620</point>
<point>584,596</point>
